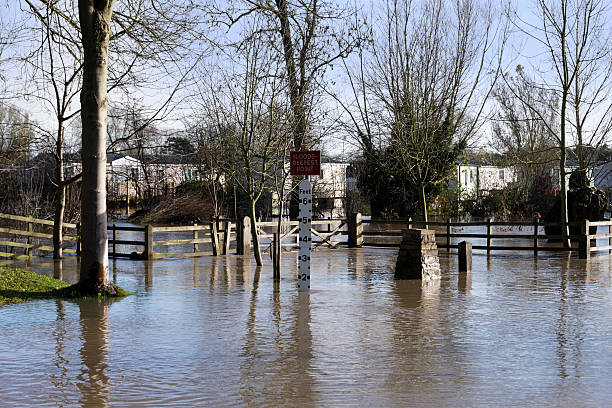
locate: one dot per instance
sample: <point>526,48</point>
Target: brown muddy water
<point>520,331</point>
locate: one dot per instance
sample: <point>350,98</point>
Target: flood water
<point>518,331</point>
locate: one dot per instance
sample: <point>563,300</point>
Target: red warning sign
<point>306,163</point>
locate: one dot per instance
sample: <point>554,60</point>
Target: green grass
<point>20,285</point>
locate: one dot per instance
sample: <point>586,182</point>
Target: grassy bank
<point>19,285</point>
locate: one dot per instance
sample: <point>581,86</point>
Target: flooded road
<point>518,331</point>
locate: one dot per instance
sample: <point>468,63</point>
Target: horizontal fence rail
<point>22,237</point>
<point>177,241</point>
<point>327,233</point>
<point>526,235</point>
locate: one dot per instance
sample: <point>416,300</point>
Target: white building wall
<point>474,181</point>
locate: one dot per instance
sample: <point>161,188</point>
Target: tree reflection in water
<point>61,380</point>
<point>270,371</point>
<point>94,377</point>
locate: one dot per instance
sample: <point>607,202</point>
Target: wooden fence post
<point>275,256</point>
<point>584,249</point>
<point>114,240</point>
<point>243,236</point>
<point>30,241</point>
<point>239,247</point>
<point>78,238</point>
<point>536,226</point>
<point>226,236</point>
<point>214,238</point>
<point>195,236</point>
<point>488,235</point>
<point>355,230</point>
<point>448,230</point>
<point>148,249</point>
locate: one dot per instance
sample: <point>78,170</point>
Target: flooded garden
<point>217,331</point>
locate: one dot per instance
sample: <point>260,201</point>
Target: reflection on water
<point>94,380</point>
<point>219,331</point>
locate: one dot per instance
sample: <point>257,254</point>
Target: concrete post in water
<point>148,250</point>
<point>418,255</point>
<point>355,230</point>
<point>214,238</point>
<point>195,236</point>
<point>465,281</point>
<point>584,249</point>
<point>465,256</point>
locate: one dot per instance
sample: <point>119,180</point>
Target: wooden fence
<point>216,234</point>
<point>323,233</point>
<point>530,236</point>
<point>22,237</point>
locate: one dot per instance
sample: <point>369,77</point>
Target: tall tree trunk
<point>58,221</point>
<point>60,199</point>
<point>255,234</point>
<point>562,162</point>
<point>95,16</point>
<point>562,181</point>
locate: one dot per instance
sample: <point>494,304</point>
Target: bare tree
<point>55,78</point>
<point>149,42</point>
<point>249,107</point>
<point>211,153</point>
<point>575,37</point>
<point>520,136</point>
<point>433,67</point>
<point>307,36</point>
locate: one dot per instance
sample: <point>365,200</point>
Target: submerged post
<point>114,240</point>
<point>195,236</point>
<point>488,235</point>
<point>30,241</point>
<point>584,248</point>
<point>214,238</point>
<point>355,230</point>
<point>536,226</point>
<point>304,234</point>
<point>465,256</point>
<point>148,249</point>
<point>78,238</point>
<point>243,236</point>
<point>275,256</point>
<point>448,231</point>
<point>226,236</point>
